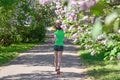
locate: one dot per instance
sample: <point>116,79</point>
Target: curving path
<point>37,64</point>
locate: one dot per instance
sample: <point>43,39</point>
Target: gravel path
<point>37,64</point>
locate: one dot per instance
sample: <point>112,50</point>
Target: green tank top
<point>59,37</point>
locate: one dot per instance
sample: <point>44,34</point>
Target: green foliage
<point>97,10</point>
<point>23,21</point>
<point>111,17</point>
<point>104,37</point>
<point>97,28</point>
<point>97,69</point>
<point>10,52</point>
<point>116,25</point>
<point>8,3</point>
<point>112,50</point>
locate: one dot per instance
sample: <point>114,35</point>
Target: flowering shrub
<point>94,24</point>
<point>23,21</point>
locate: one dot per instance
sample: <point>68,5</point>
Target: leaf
<point>106,54</point>
<point>118,53</point>
<point>111,17</point>
<point>97,28</point>
<point>108,1</point>
<point>110,43</point>
<point>116,25</point>
<point>106,58</point>
<point>69,6</point>
<point>111,58</point>
<point>113,51</point>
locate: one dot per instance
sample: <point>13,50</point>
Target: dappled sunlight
<point>38,64</point>
<point>59,39</point>
<point>45,75</point>
<point>42,48</point>
<point>104,73</point>
<point>43,59</point>
<point>27,69</point>
<point>48,47</point>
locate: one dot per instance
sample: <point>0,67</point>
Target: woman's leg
<point>59,59</point>
<point>56,59</point>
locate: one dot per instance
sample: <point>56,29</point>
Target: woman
<point>58,47</point>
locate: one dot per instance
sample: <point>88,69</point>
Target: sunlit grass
<point>97,69</point>
<point>10,52</point>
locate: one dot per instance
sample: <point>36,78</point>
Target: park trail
<point>38,64</point>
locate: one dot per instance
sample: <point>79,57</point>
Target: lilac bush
<point>94,24</point>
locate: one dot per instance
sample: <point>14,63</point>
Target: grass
<point>97,69</point>
<point>10,52</point>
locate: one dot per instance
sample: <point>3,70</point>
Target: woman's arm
<point>65,39</point>
<point>54,38</point>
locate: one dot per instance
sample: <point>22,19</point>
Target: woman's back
<point>59,37</point>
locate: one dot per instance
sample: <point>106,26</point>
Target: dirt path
<point>37,64</point>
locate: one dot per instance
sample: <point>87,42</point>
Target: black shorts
<point>58,48</point>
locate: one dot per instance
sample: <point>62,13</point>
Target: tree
<point>23,21</point>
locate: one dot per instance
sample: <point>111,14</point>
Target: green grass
<point>97,69</point>
<point>10,52</point>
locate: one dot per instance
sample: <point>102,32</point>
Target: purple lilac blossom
<point>82,5</point>
<point>85,19</point>
<point>73,4</point>
<point>74,36</point>
<point>64,27</point>
<point>71,28</point>
<point>104,42</point>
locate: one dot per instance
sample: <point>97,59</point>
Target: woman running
<point>58,47</point>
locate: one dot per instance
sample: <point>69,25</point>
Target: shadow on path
<point>42,56</point>
<point>46,75</point>
<point>45,60</point>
